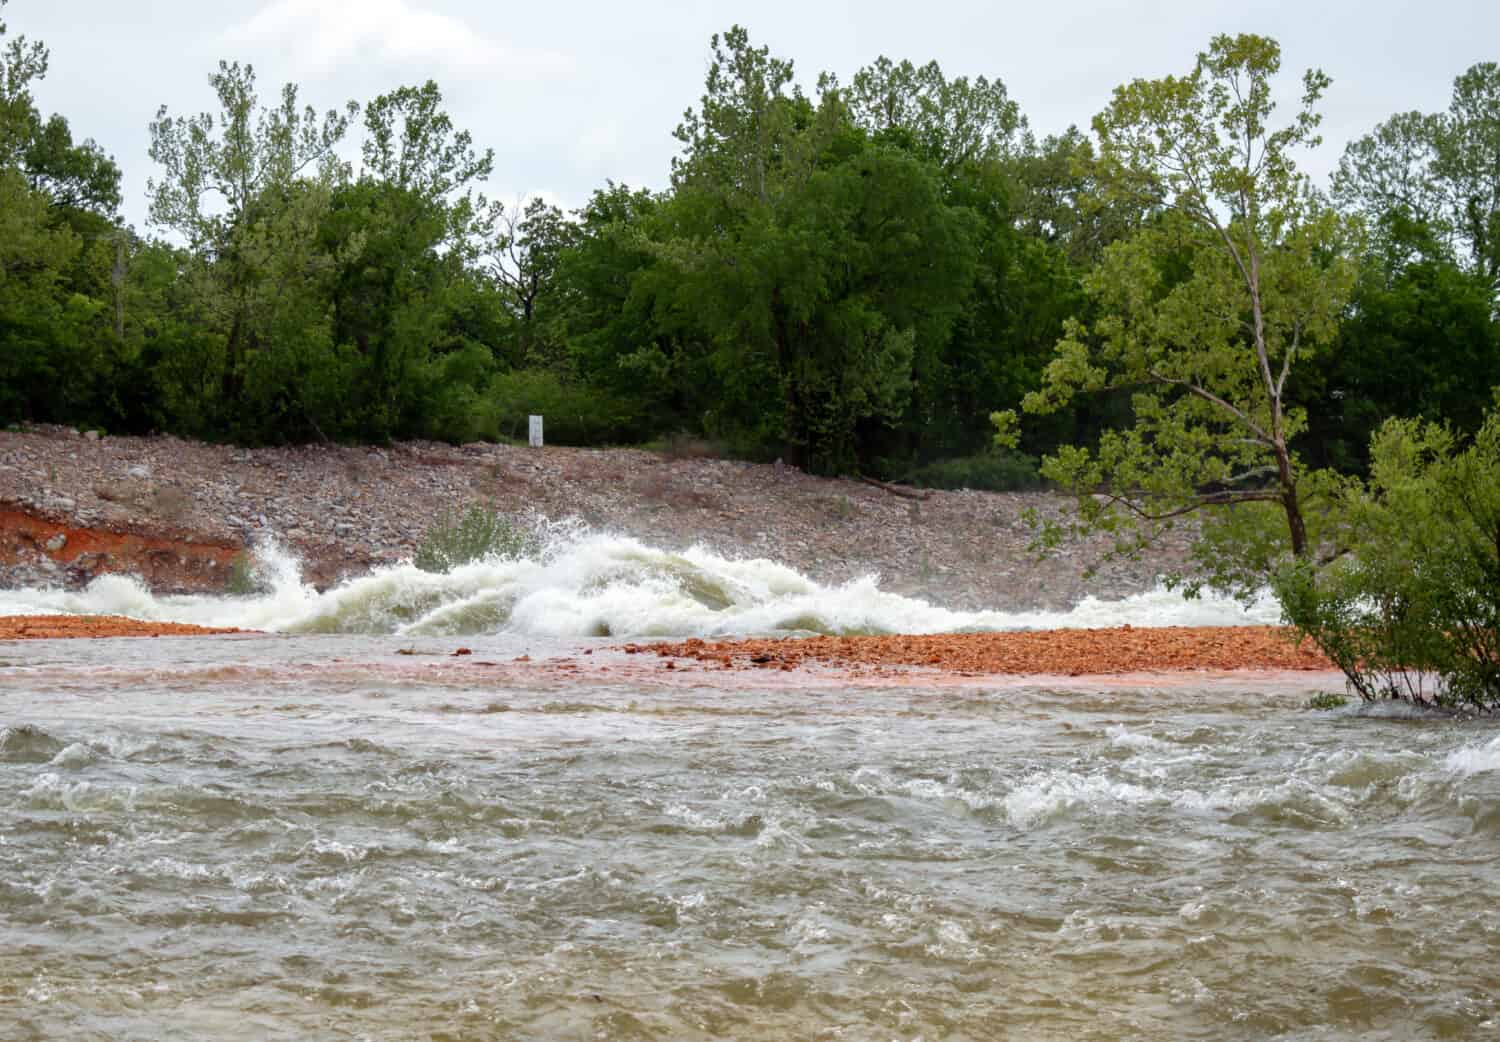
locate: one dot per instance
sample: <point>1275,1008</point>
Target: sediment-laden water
<point>308,837</point>
<point>315,838</point>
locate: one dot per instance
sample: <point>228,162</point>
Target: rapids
<point>312,837</point>
<point>331,833</point>
<point>589,584</point>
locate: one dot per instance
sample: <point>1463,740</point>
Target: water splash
<point>1474,759</point>
<point>586,583</point>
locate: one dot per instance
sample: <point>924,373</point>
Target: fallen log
<point>897,490</point>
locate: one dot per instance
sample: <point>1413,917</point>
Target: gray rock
<point>56,543</point>
<point>141,471</point>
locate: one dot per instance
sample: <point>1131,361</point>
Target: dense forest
<point>852,280</point>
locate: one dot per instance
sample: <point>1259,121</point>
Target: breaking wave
<point>586,583</point>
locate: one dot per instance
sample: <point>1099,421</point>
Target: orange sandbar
<point>47,627</point>
<point>1059,652</point>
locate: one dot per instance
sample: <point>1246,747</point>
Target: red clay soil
<point>163,561</point>
<point>1056,652</point>
<point>49,627</point>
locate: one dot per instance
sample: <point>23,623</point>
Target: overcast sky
<point>570,94</point>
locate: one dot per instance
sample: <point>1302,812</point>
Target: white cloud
<point>320,34</point>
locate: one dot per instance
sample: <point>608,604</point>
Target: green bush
<point>477,533</point>
<point>996,471</point>
<point>242,580</point>
<point>1326,700</point>
<point>681,445</point>
<point>573,414</point>
<point>1411,608</point>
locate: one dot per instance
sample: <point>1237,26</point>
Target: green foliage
<point>997,470</point>
<point>1430,183</point>
<point>476,534</point>
<point>412,145</point>
<point>953,123</point>
<point>524,258</point>
<point>1412,610</point>
<point>850,279</point>
<point>1207,311</point>
<point>1327,700</point>
<point>572,414</point>
<point>242,580</point>
<point>819,267</point>
<point>1423,342</point>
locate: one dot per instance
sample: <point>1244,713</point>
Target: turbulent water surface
<point>595,584</point>
<point>314,837</point>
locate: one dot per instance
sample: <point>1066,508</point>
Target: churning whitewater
<point>590,584</point>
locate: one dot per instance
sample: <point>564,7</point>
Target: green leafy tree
<point>816,262</point>
<point>232,186</point>
<point>1430,183</point>
<point>632,335</point>
<point>1422,341</point>
<point>56,204</point>
<point>23,62</point>
<point>1059,199</point>
<point>411,143</point>
<point>47,362</point>
<point>1208,313</point>
<point>215,169</point>
<point>523,260</point>
<point>401,241</point>
<point>75,177</point>
<point>953,123</point>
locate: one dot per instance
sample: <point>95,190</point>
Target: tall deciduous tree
<point>22,63</point>
<point>817,262</point>
<point>1431,182</point>
<point>56,200</point>
<point>1210,311</point>
<point>523,259</point>
<point>224,183</point>
<point>1420,341</point>
<point>400,240</point>
<point>950,122</point>
<point>411,144</point>
<point>215,168</point>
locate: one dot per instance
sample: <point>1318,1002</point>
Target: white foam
<point>1475,759</point>
<point>1061,792</point>
<point>592,584</point>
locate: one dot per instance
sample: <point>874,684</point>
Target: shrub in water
<point>477,533</point>
<point>1412,610</point>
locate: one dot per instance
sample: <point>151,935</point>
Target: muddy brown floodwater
<point>1071,652</point>
<point>363,836</point>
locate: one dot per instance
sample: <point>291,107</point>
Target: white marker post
<point>536,432</point>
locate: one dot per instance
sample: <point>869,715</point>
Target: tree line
<point>851,279</point>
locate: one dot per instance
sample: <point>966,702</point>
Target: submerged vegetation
<point>1412,611</point>
<point>850,277</point>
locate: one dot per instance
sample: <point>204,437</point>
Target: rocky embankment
<point>179,513</point>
